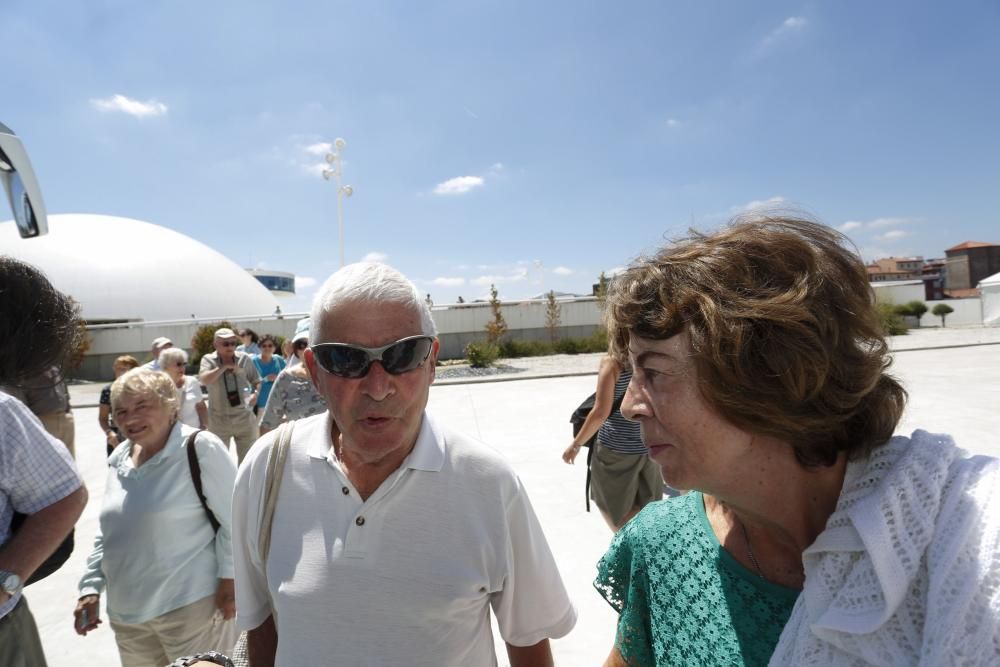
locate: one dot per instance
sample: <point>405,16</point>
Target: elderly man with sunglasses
<point>233,382</point>
<point>392,536</point>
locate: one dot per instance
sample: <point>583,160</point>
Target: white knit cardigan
<point>907,571</point>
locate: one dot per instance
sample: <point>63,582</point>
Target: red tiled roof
<point>962,293</point>
<point>970,244</point>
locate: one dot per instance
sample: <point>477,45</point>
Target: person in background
<point>38,478</point>
<point>249,344</point>
<point>623,477</point>
<point>112,435</point>
<point>812,535</point>
<point>232,382</point>
<point>287,350</point>
<point>159,345</point>
<point>268,366</point>
<point>393,536</point>
<point>167,569</point>
<point>300,341</point>
<point>47,395</point>
<point>193,410</point>
<point>292,397</point>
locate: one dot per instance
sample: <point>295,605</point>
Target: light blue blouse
<point>155,550</point>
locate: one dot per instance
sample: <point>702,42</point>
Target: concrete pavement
<point>952,389</point>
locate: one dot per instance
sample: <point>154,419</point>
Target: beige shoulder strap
<point>272,480</point>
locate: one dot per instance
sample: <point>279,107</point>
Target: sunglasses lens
<point>342,360</point>
<point>406,355</point>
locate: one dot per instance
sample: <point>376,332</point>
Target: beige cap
<point>161,341</point>
<point>225,332</point>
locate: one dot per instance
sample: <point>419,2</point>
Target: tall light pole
<point>333,159</point>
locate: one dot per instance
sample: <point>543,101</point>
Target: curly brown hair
<point>39,325</point>
<point>784,332</point>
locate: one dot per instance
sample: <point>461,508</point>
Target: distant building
<point>969,263</point>
<point>895,268</point>
<point>934,274</point>
<point>279,283</point>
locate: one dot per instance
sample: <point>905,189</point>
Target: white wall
<point>457,325</point>
<point>967,312</point>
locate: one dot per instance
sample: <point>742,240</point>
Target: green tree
<point>201,342</point>
<point>602,287</point>
<point>496,328</point>
<point>916,309</point>
<point>942,310</point>
<point>553,315</point>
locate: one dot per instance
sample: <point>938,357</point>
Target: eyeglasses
<point>230,343</point>
<point>354,361</point>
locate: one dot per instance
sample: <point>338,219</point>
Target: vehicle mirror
<point>23,193</point>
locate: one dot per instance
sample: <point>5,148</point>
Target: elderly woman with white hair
<point>193,410</point>
<point>164,548</point>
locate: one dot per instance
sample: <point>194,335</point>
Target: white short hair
<point>369,282</point>
<point>173,354</point>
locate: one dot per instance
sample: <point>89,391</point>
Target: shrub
<point>892,320</point>
<point>512,349</point>
<point>942,310</point>
<point>201,342</point>
<point>482,354</point>
<point>916,309</point>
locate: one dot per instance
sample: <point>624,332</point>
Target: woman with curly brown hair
<point>812,536</point>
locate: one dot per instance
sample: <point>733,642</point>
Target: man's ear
<point>433,358</point>
<point>310,361</point>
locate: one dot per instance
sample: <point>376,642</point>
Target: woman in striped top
<point>623,477</point>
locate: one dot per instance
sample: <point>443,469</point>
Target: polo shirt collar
<point>427,453</point>
<point>122,461</point>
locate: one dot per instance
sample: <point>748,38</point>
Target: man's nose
<point>377,384</point>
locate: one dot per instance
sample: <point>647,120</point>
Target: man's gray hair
<point>369,282</point>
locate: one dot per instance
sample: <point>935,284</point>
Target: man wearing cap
<point>393,537</point>
<point>159,345</point>
<point>233,383</point>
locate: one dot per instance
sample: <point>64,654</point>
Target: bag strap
<point>272,484</point>
<point>196,477</point>
<point>590,450</point>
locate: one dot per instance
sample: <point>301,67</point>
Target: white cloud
<point>611,273</point>
<point>321,148</point>
<point>517,276</point>
<point>673,122</point>
<point>315,169</point>
<point>304,282</point>
<point>760,205</point>
<point>893,235</point>
<point>375,256</point>
<point>459,185</point>
<point>135,108</point>
<point>562,271</point>
<point>496,168</point>
<point>788,26</point>
<point>890,222</point>
<point>442,281</point>
<point>851,225</point>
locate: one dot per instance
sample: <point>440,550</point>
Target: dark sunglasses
<point>300,344</point>
<point>354,361</point>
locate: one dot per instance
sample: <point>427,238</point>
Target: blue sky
<point>529,144</point>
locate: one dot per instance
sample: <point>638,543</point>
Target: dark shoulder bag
<point>53,562</point>
<point>577,418</point>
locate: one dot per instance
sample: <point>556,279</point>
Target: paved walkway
<point>952,390</point>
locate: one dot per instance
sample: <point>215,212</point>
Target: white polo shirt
<point>406,577</point>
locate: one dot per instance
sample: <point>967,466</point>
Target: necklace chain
<point>753,559</point>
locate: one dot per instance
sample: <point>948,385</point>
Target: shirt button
<point>360,521</point>
<point>346,491</point>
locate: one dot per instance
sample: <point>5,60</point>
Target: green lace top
<point>684,600</point>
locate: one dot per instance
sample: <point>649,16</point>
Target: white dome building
<point>124,269</point>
